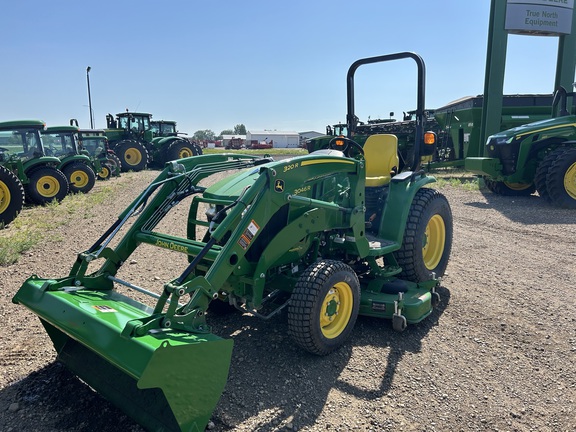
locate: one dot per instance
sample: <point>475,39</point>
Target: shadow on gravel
<point>379,334</point>
<point>527,210</point>
<point>273,385</point>
<point>286,388</point>
<point>53,399</point>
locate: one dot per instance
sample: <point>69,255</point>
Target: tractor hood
<point>231,187</point>
<point>542,127</point>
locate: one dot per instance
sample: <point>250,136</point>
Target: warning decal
<point>104,308</point>
<point>248,234</point>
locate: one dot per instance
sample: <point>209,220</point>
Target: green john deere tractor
<point>163,128</point>
<point>536,156</point>
<point>94,143</point>
<point>326,236</point>
<point>62,142</point>
<point>22,153</point>
<point>131,137</point>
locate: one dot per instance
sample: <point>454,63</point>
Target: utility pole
<point>89,97</point>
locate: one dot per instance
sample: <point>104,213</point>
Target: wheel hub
<point>434,241</point>
<point>184,153</point>
<point>48,186</point>
<point>79,179</point>
<point>133,156</point>
<point>570,181</point>
<point>4,197</point>
<point>336,310</point>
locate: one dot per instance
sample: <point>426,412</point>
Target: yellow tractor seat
<point>381,154</point>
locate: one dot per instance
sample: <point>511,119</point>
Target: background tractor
<point>62,142</point>
<point>128,135</point>
<point>163,128</point>
<point>132,138</point>
<point>327,236</point>
<point>22,152</point>
<point>536,156</point>
<point>95,144</point>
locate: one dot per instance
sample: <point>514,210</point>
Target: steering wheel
<point>349,147</point>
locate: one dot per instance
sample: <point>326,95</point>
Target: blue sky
<point>267,64</point>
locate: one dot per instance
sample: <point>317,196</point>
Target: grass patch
<point>31,228</point>
<point>455,177</point>
<point>12,246</point>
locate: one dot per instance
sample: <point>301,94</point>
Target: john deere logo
<point>279,186</point>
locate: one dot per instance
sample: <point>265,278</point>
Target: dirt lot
<point>498,354</point>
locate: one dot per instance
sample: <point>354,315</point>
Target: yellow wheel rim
<point>48,186</point>
<point>79,178</point>
<point>434,241</point>
<point>184,153</point>
<point>570,181</point>
<point>5,197</point>
<point>518,186</point>
<point>133,156</point>
<point>104,173</point>
<point>336,310</point>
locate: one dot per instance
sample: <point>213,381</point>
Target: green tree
<point>226,132</point>
<point>204,135</point>
<point>240,129</point>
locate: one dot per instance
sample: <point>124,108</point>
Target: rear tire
<point>427,241</point>
<point>324,306</point>
<point>197,148</point>
<point>115,164</point>
<point>179,149</point>
<point>81,178</point>
<point>132,154</point>
<point>561,179</point>
<point>46,184</point>
<point>11,196</point>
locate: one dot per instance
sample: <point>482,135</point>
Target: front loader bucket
<point>166,380</point>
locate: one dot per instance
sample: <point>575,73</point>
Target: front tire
<point>81,178</point>
<point>46,184</point>
<point>542,173</point>
<point>427,241</point>
<point>132,154</point>
<point>11,196</point>
<point>324,306</point>
<point>561,179</point>
<point>509,189</point>
<point>105,172</point>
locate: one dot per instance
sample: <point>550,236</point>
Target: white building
<point>279,139</point>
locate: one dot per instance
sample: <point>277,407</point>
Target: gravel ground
<point>498,353</point>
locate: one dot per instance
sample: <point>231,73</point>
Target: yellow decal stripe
<point>322,161</point>
<point>545,129</point>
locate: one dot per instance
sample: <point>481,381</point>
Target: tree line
<point>209,135</point>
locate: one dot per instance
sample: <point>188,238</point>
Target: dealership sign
<point>539,17</point>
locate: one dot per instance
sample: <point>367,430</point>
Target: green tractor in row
<point>131,137</point>
<point>163,128</point>
<point>62,142</point>
<point>22,153</point>
<point>538,156</point>
<point>93,142</point>
<point>326,236</point>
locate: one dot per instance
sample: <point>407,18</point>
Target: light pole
<point>89,98</point>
